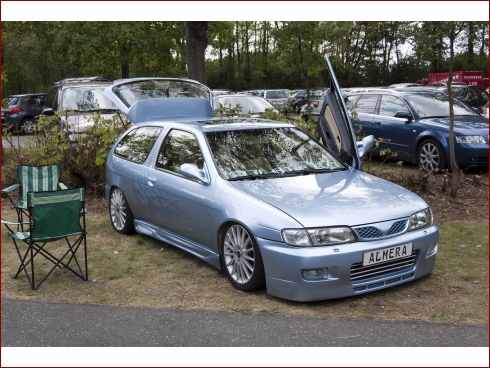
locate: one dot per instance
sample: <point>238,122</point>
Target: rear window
<point>129,93</point>
<point>276,94</point>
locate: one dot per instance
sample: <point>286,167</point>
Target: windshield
<point>269,152</point>
<point>132,92</point>
<point>248,104</point>
<point>429,105</point>
<point>86,99</point>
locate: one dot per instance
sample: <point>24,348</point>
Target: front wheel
<point>431,156</point>
<point>121,216</point>
<point>241,259</point>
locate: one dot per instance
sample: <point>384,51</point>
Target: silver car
<point>263,201</point>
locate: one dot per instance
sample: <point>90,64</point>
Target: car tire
<point>122,219</point>
<point>27,126</point>
<point>430,156</point>
<point>241,259</point>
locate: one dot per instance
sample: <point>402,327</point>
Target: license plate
<point>386,254</point>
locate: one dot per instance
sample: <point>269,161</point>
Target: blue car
<point>260,199</point>
<point>414,124</point>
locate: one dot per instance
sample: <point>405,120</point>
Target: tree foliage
<point>240,55</point>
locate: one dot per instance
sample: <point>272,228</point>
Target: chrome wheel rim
<point>118,209</point>
<point>239,254</point>
<point>429,157</point>
<point>28,126</point>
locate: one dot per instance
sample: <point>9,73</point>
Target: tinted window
<point>179,148</point>
<point>390,105</point>
<point>137,144</point>
<point>366,104</point>
<point>436,105</point>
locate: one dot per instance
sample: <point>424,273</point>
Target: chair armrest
<point>6,191</point>
<point>62,186</point>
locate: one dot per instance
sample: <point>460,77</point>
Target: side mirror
<point>404,115</point>
<point>48,112</point>
<point>192,172</point>
<point>365,145</point>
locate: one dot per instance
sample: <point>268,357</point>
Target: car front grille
<point>360,273</point>
<point>374,232</point>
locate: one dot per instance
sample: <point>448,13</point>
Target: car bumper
<point>284,265</point>
<point>471,155</point>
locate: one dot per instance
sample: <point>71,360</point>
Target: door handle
<point>151,180</point>
<point>377,123</point>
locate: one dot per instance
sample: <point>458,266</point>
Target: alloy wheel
<point>239,254</point>
<point>118,210</point>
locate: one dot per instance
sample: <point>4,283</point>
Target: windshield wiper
<point>309,171</point>
<point>256,176</point>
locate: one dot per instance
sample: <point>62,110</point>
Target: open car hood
<point>335,126</point>
<point>146,99</point>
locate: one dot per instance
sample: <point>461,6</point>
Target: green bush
<point>82,160</point>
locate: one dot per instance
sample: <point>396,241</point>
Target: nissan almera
<point>260,199</point>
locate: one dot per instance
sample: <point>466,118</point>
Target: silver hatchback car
<point>262,200</point>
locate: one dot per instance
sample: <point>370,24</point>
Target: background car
<point>78,99</point>
<point>316,104</point>
<point>251,104</point>
<point>21,112</point>
<point>298,99</point>
<point>276,97</point>
<point>414,124</point>
<point>404,85</point>
<point>472,95</point>
<point>484,111</point>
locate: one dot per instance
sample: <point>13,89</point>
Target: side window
<point>350,102</point>
<point>473,94</point>
<point>179,148</point>
<point>366,104</point>
<point>51,100</point>
<point>137,144</point>
<point>390,105</point>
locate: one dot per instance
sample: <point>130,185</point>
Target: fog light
<point>432,250</point>
<point>318,273</point>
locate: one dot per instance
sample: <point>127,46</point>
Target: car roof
<point>221,124</point>
<point>26,94</point>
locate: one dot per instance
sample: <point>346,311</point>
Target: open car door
<point>334,128</point>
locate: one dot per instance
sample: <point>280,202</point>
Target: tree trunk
<point>196,39</point>
<point>453,191</point>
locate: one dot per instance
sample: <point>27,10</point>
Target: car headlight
<point>420,219</point>
<point>474,139</point>
<point>316,237</point>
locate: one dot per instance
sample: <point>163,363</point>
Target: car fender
<point>431,134</point>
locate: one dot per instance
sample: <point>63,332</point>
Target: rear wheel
<point>27,126</point>
<point>121,216</point>
<point>241,259</point>
<point>431,156</point>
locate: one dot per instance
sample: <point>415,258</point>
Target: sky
<point>244,10</point>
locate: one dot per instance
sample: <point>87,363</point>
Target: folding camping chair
<point>53,216</point>
<point>32,179</point>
